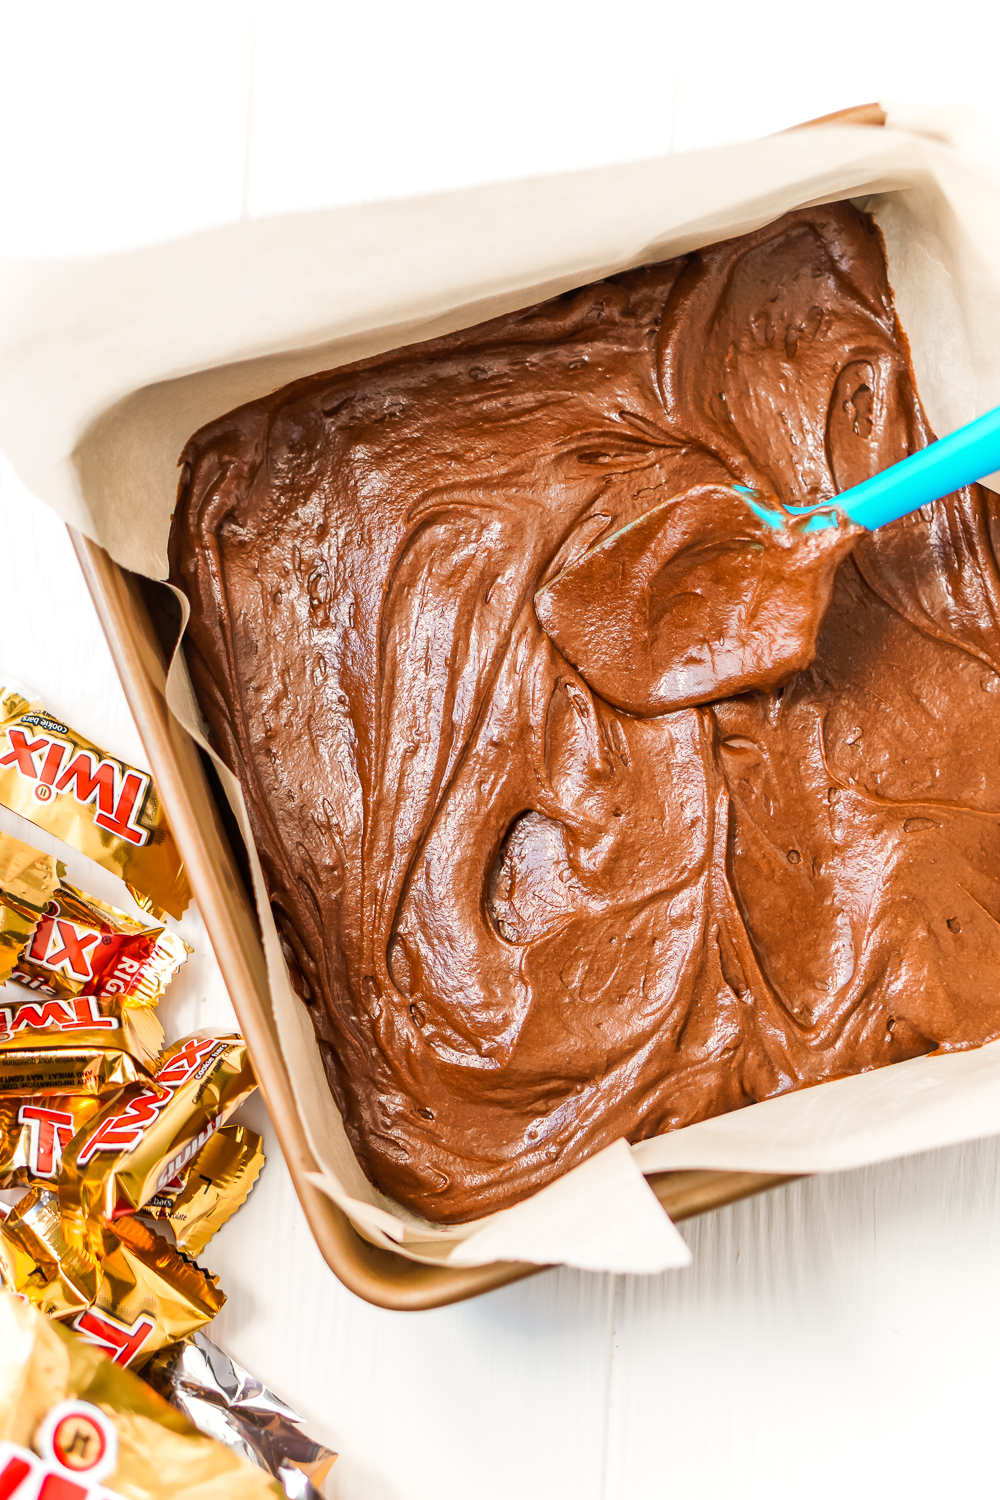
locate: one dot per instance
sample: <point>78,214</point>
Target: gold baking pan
<point>138,632</point>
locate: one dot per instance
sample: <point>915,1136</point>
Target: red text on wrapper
<point>80,1014</point>
<point>71,950</point>
<point>83,953</point>
<point>50,1130</point>
<point>118,791</point>
<point>123,1130</point>
<point>121,1342</point>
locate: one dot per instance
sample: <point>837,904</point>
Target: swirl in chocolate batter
<point>589,804</point>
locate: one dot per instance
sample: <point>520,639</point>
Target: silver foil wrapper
<point>229,1404</point>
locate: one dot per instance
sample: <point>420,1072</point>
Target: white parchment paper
<point>108,364</point>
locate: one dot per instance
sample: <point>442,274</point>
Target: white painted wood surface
<point>836,1336</point>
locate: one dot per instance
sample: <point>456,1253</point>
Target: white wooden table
<point>838,1336</point>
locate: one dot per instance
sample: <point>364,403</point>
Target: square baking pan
<point>140,622</point>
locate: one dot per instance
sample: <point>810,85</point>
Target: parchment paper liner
<point>108,365</point>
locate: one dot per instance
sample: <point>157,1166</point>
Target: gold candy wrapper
<point>215,1185</point>
<point>102,971</point>
<point>223,1399</point>
<point>75,1426</point>
<point>83,946</point>
<point>28,880</point>
<point>150,1133</point>
<point>83,1023</point>
<point>33,1132</point>
<point>101,806</point>
<point>67,1069</point>
<point>148,1294</point>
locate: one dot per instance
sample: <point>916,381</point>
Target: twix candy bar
<point>51,1045</point>
<point>71,1066</point>
<point>97,974</point>
<point>32,1021</point>
<point>103,807</point>
<point>33,1132</point>
<point>28,880</point>
<point>105,973</point>
<point>150,1132</point>
<point>83,946</point>
<point>148,1294</point>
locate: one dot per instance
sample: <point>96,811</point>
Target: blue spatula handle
<point>961,458</point>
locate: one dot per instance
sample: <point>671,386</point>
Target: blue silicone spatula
<point>963,457</point>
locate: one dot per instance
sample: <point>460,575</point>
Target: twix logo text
<point>123,1130</point>
<point>80,1014</point>
<point>58,766</point>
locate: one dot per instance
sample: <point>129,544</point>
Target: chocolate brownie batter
<point>590,803</point>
